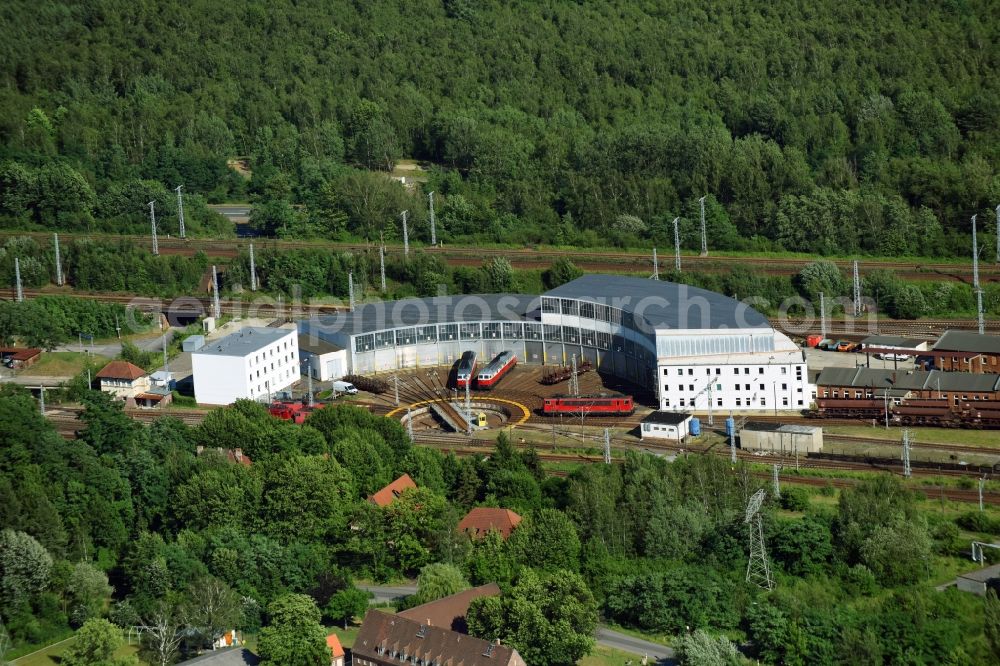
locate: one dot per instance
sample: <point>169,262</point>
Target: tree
<point>294,635</point>
<point>499,276</point>
<point>563,270</point>
<point>549,618</point>
<point>95,645</point>
<point>25,566</point>
<point>347,604</point>
<point>702,649</point>
<point>162,638</point>
<point>547,540</point>
<point>821,276</point>
<point>87,591</point>
<point>5,644</point>
<point>991,621</point>
<point>210,607</point>
<point>438,580</point>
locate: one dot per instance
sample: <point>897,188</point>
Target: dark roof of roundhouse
<point>664,304</point>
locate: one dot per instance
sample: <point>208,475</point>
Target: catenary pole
<point>253,270</point>
<point>59,275</point>
<point>406,236</point>
<point>180,210</point>
<point>656,266</point>
<point>152,223</point>
<point>677,246</point>
<point>17,279</point>
<point>430,199</point>
<point>704,236</point>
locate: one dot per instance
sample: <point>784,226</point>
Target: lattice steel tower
<point>758,569</point>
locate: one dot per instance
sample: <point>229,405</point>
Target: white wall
<point>326,367</point>
<point>221,380</point>
<point>663,431</point>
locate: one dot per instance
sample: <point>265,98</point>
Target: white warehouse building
<point>686,344</point>
<point>252,363</point>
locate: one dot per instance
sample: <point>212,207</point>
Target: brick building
<point>871,383</point>
<point>971,352</point>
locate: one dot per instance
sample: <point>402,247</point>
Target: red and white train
<point>497,368</point>
<point>466,369</point>
<point>598,405</point>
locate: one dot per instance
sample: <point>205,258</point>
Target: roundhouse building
<point>685,343</point>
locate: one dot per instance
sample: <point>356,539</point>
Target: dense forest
<point>192,544</point>
<point>829,127</point>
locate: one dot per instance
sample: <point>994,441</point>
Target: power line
<point>152,222</point>
<point>180,210</point>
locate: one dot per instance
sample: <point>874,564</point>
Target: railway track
<point>594,260</point>
<point>939,446</point>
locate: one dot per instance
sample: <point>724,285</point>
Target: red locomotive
<point>466,369</point>
<point>599,405</point>
<point>497,368</point>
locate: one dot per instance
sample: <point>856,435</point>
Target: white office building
<point>252,363</point>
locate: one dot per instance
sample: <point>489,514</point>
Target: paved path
<point>605,637</point>
<point>657,653</point>
<point>384,594</point>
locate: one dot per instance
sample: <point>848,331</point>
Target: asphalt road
<point>657,653</point>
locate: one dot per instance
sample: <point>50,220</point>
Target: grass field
<point>986,438</point>
<point>50,656</point>
<point>62,364</point>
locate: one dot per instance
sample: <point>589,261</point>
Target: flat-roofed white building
<point>251,363</point>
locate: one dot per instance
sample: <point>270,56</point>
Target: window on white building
<point>763,402</point>
<point>739,402</point>
<point>682,402</point>
<point>784,387</point>
<point>760,371</point>
<point>690,371</point>
<point>690,387</point>
<point>719,402</point>
<point>784,401</point>
<point>784,370</point>
<point>761,387</point>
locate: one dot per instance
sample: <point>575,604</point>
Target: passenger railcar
<point>495,370</point>
<point>598,405</point>
<point>466,369</point>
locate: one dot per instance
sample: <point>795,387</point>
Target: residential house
<point>482,520</point>
<point>449,612</point>
<point>336,650</point>
<point>387,495</point>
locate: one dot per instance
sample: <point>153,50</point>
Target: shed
<point>978,581</point>
<point>666,425</point>
<point>781,438</point>
<point>193,343</point>
<point>323,360</point>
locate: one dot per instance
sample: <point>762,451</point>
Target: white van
<point>344,387</point>
<point>893,357</point>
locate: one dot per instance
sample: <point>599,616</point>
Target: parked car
<point>344,387</point>
<point>846,345</point>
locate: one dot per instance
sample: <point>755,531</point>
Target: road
<point>112,349</point>
<point>605,637</point>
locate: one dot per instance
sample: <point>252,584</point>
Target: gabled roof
<point>336,649</point>
<point>386,496</point>
<point>480,520</point>
<point>891,341</point>
<point>121,370</point>
<point>449,612</point>
<point>908,380</point>
<point>393,639</point>
<point>967,341</point>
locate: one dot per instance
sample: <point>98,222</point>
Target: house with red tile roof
<point>481,520</point>
<point>336,650</point>
<point>449,612</point>
<point>123,379</point>
<point>387,495</point>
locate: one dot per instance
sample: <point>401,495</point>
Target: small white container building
<point>323,360</point>
<point>666,425</point>
<point>252,363</point>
